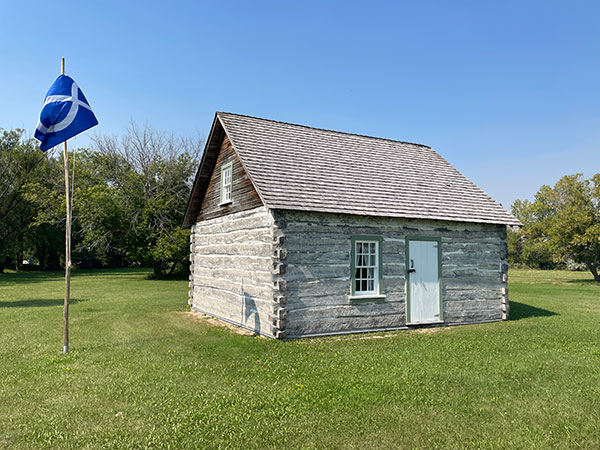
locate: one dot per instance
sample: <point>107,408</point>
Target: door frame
<point>407,263</point>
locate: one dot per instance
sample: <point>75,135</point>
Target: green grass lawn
<point>143,373</point>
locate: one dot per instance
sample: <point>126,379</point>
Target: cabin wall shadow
<point>520,311</point>
<point>250,314</point>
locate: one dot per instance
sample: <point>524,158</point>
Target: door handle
<point>411,270</point>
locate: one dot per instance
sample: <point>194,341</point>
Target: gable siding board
<point>243,195</point>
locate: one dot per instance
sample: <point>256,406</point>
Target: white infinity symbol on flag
<point>68,120</point>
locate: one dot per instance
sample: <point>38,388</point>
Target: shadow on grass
<point>584,281</point>
<point>14,279</point>
<point>520,311</point>
<point>38,302</point>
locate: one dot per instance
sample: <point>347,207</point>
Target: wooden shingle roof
<point>296,167</point>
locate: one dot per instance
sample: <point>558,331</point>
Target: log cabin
<point>299,231</point>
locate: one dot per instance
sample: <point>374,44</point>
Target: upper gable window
<point>226,179</point>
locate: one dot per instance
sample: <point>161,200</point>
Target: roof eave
<point>240,157</point>
<point>508,222</point>
<point>193,204</point>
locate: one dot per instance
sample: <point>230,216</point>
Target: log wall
<point>232,270</point>
<point>314,271</point>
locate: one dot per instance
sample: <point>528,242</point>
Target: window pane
<point>227,176</point>
<point>366,265</point>
<point>226,184</point>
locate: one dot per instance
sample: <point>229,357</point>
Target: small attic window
<point>226,178</point>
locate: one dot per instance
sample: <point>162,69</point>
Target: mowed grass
<point>143,373</point>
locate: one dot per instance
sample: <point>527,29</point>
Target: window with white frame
<point>366,267</point>
<point>226,177</point>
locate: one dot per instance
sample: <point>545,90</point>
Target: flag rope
<point>72,183</point>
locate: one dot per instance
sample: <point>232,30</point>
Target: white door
<point>423,282</point>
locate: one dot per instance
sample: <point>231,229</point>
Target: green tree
<point>129,199</point>
<point>22,167</point>
<point>148,176</point>
<point>515,246</point>
<point>529,245</point>
<point>563,222</point>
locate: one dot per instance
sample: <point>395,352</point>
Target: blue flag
<point>65,113</point>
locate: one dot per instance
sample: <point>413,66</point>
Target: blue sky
<point>507,91</point>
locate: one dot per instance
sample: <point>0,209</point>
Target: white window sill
<point>225,203</point>
<point>367,297</point>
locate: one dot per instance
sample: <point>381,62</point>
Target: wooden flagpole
<point>67,240</point>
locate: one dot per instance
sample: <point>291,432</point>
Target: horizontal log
<point>261,235</point>
<point>316,272</point>
<point>297,300</point>
<point>259,263</point>
<point>224,301</point>
<point>472,317</point>
<point>347,324</point>
<point>335,256</point>
<point>235,275</point>
<point>254,218</point>
<point>475,305</point>
<point>245,224</point>
<point>239,248</point>
<point>258,324</point>
<point>344,311</point>
<point>264,290</point>
<point>469,297</point>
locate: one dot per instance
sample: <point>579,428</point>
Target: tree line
<point>561,227</point>
<point>130,194</point>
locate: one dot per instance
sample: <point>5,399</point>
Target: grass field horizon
<point>144,373</point>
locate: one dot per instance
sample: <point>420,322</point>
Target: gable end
<point>205,199</point>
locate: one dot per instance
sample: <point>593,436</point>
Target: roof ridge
<point>325,129</point>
